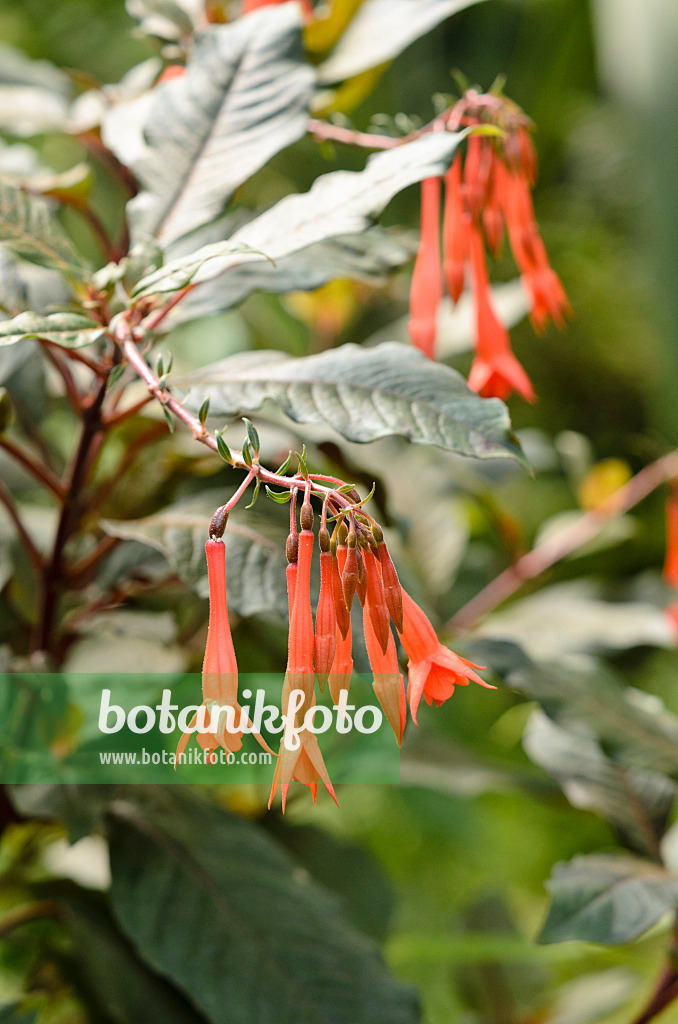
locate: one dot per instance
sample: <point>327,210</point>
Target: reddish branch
<point>566,541</point>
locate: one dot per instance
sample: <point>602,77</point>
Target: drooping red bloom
<point>455,228</point>
<point>220,668</point>
<point>549,301</point>
<point>342,663</point>
<point>325,621</point>
<point>495,372</point>
<point>305,764</point>
<point>671,557</point>
<point>426,288</point>
<point>433,669</point>
<point>387,681</point>
<point>375,601</point>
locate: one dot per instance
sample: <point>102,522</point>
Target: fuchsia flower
<point>305,764</point>
<point>220,668</point>
<point>433,670</point>
<point>426,289</point>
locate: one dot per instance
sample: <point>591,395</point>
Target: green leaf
<point>220,908</point>
<point>633,727</point>
<point>107,972</point>
<point>280,497</point>
<point>255,551</point>
<point>224,450</point>
<point>362,393</point>
<point>380,30</point>
<point>15,1015</point>
<point>29,228</point>
<point>245,96</point>
<point>608,899</point>
<point>163,18</point>
<point>70,330</point>
<point>345,202</point>
<point>635,801</point>
<point>369,257</point>
<point>185,270</point>
<point>345,869</point>
<point>252,435</point>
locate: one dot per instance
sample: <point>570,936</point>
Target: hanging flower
<point>220,668</point>
<point>305,763</point>
<point>433,669</point>
<point>426,288</point>
<point>495,372</point>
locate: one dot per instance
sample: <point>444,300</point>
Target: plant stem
<point>565,542</point>
<point>159,316</point>
<point>134,357</point>
<point>325,130</point>
<point>42,473</point>
<point>30,548</point>
<point>666,989</point>
<point>17,916</point>
<point>70,512</point>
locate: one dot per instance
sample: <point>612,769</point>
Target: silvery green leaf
<point>363,394</point>
<point>71,330</point>
<point>380,30</point>
<point>185,270</point>
<point>29,228</point>
<point>245,96</point>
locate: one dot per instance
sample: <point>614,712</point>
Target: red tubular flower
<point>342,663</point>
<point>671,558</point>
<point>426,288</point>
<point>387,682</point>
<point>220,668</point>
<point>454,232</point>
<point>375,601</point>
<point>305,764</point>
<point>325,621</point>
<point>549,300</point>
<point>350,572</point>
<point>433,669</point>
<point>495,372</point>
<point>342,614</point>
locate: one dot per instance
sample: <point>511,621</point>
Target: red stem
<point>564,543</point>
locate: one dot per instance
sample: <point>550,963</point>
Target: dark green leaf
<point>71,330</point>
<point>221,909</point>
<point>380,30</point>
<point>203,411</point>
<point>245,96</point>
<point>255,556</point>
<point>29,228</point>
<point>281,497</point>
<point>363,394</point>
<point>252,435</point>
<point>224,450</point>
<point>608,899</point>
<point>15,1015</point>
<point>634,728</point>
<point>345,869</point>
<point>635,801</point>
<point>257,488</point>
<point>108,974</point>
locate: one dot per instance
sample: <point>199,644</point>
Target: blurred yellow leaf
<point>328,309</point>
<point>601,481</point>
<point>349,95</point>
<point>324,31</point>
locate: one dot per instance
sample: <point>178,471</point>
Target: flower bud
<point>325,642</point>
<point>392,589</point>
<point>292,547</point>
<point>218,524</point>
<point>350,574</point>
<point>306,516</point>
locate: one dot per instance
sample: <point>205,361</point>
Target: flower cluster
<point>354,563</point>
<point>486,190</point>
<point>671,557</point>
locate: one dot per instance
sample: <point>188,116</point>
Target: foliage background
<point>449,868</point>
